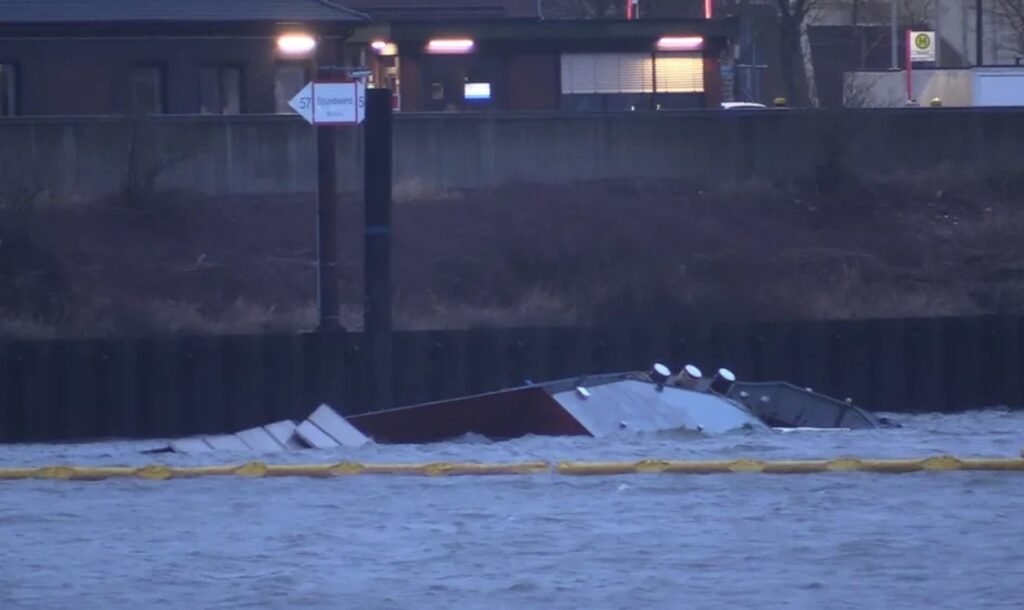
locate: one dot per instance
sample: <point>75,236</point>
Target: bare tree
<point>915,13</point>
<point>792,57</point>
<point>672,9</point>
<point>601,9</point>
<point>1010,14</point>
<point>879,12</point>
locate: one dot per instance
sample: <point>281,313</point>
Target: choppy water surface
<point>843,540</point>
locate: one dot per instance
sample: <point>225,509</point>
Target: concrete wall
<point>885,89</point>
<point>75,159</point>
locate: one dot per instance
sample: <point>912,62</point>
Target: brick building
<point>158,56</point>
<point>114,57</point>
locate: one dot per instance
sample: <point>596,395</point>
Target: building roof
<point>614,9</point>
<point>437,10</point>
<point>427,10</point>
<point>191,11</point>
<point>539,31</point>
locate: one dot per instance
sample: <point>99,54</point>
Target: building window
<point>8,89</point>
<point>631,73</point>
<point>587,73</point>
<point>220,90</point>
<point>147,89</point>
<point>289,79</point>
<point>679,73</point>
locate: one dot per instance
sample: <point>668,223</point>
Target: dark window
<point>446,78</point>
<point>220,90</point>
<point>148,89</point>
<point>8,90</point>
<point>289,79</point>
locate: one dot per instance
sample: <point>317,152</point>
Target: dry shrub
<point>417,191</point>
<point>27,328</point>
<point>936,243</point>
<point>536,307</point>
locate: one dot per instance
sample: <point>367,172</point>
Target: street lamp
<point>450,45</point>
<point>680,43</point>
<point>296,44</point>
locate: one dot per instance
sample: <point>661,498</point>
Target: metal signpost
<point>920,47</point>
<point>328,105</point>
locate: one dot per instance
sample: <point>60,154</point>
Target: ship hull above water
<point>595,405</point>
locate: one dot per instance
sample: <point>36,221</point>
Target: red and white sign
<point>325,103</point>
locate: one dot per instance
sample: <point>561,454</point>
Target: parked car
<point>741,105</point>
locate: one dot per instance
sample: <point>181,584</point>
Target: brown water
<point>843,540</point>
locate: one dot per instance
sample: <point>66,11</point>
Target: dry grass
<point>536,307</point>
<point>942,243</point>
<point>418,191</point>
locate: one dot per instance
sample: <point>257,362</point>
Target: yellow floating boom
<point>942,463</point>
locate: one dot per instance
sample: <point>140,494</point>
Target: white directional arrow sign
<point>331,103</point>
<point>303,102</point>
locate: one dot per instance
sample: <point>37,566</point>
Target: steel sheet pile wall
<point>157,387</point>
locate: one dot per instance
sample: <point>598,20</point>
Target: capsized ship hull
<point>593,405</point>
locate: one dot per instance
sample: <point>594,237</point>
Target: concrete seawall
<point>72,159</point>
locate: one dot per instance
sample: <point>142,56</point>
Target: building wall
<point>88,76</point>
<point>445,76</point>
<point>527,81</point>
<point>71,159</point>
<point>712,82</point>
<point>83,77</point>
<point>1002,31</point>
<point>954,21</point>
<point>410,83</point>
<point>533,81</point>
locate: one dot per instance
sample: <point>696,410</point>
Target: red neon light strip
<point>629,9</point>
<point>709,9</point>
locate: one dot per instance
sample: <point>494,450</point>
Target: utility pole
<point>893,35</point>
<point>979,27</point>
